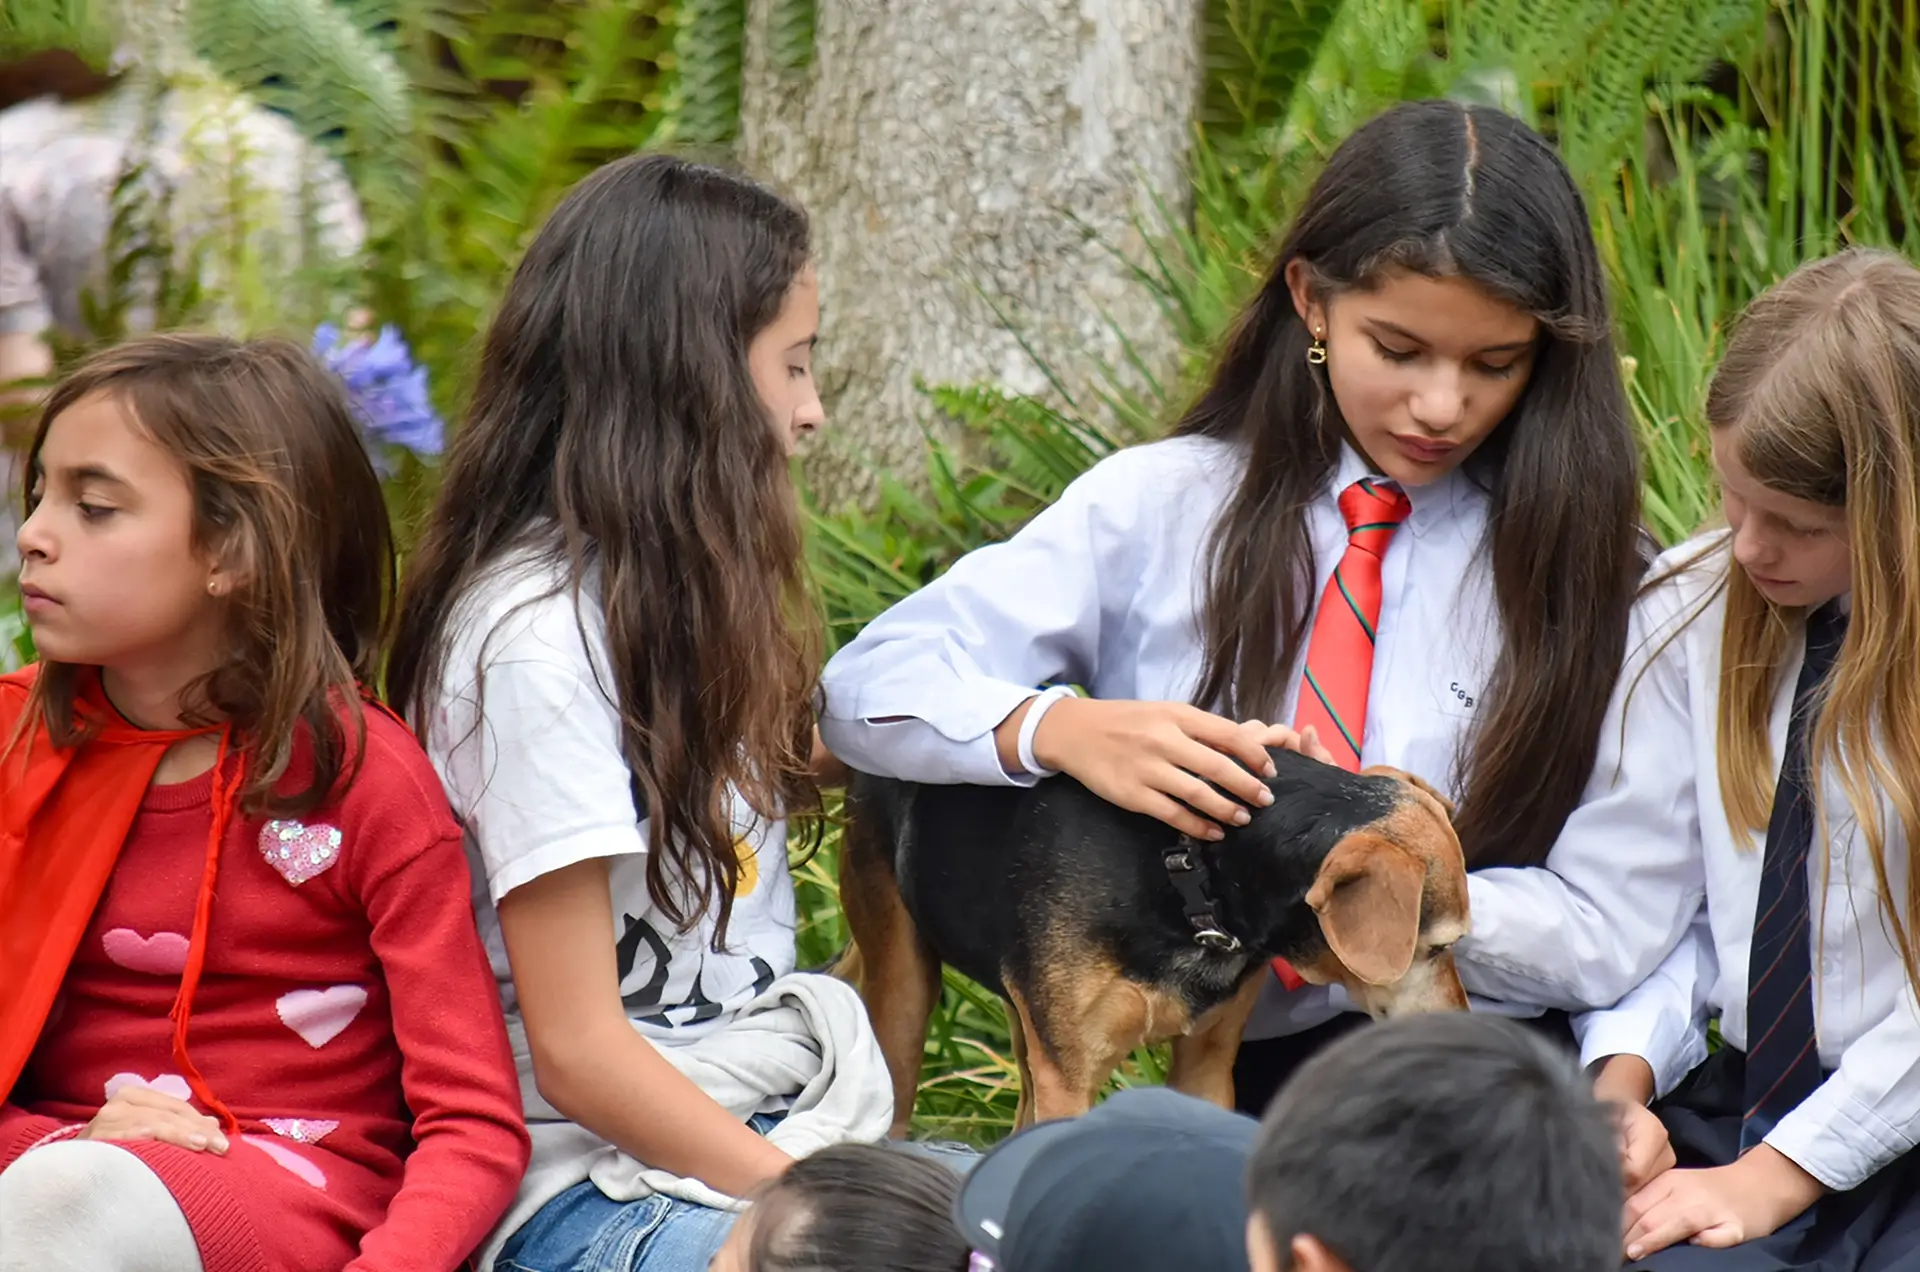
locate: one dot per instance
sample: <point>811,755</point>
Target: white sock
<point>89,1206</point>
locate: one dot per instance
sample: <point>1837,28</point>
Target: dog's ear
<point>1418,784</point>
<point>1367,895</point>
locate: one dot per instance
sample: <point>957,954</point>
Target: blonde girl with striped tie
<point>1401,516</point>
<point>1746,849</point>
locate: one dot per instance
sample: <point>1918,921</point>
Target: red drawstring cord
<point>197,944</point>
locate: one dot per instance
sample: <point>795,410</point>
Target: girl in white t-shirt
<point>607,650</point>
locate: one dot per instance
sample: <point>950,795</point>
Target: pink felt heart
<point>298,851</point>
<point>289,1159</point>
<point>162,954</point>
<point>301,1130</point>
<point>318,1015</point>
<point>166,1084</point>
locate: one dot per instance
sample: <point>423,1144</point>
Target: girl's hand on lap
<point>1157,758</point>
<point>1646,1152</point>
<point>1721,1206</point>
<point>1626,1082</point>
<point>139,1113</point>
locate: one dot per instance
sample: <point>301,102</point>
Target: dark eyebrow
<point>1514,346</point>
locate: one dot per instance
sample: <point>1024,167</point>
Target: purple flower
<point>387,389</point>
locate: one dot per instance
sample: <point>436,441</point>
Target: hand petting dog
<point>1158,758</point>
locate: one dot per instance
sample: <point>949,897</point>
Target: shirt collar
<point>1433,504</point>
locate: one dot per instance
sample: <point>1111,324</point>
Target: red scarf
<point>64,814</point>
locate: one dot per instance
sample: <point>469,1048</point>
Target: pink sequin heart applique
<point>298,851</point>
<point>301,1130</point>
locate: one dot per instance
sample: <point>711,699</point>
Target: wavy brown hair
<point>283,491</point>
<point>1820,393</point>
<point>1443,189</point>
<point>616,431</point>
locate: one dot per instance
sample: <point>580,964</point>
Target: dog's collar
<point>1188,874</point>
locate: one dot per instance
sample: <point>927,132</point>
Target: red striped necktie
<point>1333,692</point>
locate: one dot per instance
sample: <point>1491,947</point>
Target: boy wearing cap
<point>1149,1181</point>
<point>1435,1144</point>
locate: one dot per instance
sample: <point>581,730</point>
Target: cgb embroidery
<point>1460,695</point>
<point>298,851</point>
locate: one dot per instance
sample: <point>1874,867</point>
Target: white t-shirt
<point>527,740</point>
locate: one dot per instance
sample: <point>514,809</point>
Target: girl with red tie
<point>1402,515</point>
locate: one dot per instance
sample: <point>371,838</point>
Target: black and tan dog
<point>1107,929</point>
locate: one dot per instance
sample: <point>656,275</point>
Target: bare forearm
<point>622,1089</point>
<point>1624,1079</point>
<point>827,768</point>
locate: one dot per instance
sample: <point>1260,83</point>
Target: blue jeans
<point>583,1230</point>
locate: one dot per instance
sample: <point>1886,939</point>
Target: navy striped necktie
<point>1783,1054</point>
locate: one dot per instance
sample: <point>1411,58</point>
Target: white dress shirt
<point>1650,854</point>
<point>1104,589</point>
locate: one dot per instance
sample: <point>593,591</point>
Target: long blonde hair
<point>1820,394</point>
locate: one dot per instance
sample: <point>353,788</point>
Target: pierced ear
<point>1300,287</point>
<point>1367,896</point>
<point>1418,784</point>
<point>230,564</point>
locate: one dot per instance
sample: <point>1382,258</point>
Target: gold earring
<point>1317,351</point>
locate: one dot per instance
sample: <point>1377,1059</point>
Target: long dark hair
<point>282,489</point>
<point>615,428</point>
<point>1445,190</point>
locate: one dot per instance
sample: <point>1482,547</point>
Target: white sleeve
<point>1626,875</point>
<point>1663,1020</point>
<point>530,752</point>
<point>1867,1113</point>
<point>919,692</point>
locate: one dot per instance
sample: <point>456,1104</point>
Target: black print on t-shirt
<point>648,996</point>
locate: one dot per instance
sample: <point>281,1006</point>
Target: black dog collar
<point>1188,874</point>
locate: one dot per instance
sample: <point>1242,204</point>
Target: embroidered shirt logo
<point>1461,695</point>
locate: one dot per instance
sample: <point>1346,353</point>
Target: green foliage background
<point>1719,143</point>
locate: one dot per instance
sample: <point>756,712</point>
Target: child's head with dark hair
<point>851,1208</point>
<point>642,387</point>
<point>206,532</point>
<point>1436,1144</point>
<point>1438,304</point>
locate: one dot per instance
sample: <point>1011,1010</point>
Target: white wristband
<point>1028,726</point>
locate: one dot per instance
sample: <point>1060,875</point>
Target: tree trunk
<point>970,166</point>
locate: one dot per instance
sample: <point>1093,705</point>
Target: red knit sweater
<point>346,1014</point>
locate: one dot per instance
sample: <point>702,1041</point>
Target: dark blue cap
<point>1151,1179</point>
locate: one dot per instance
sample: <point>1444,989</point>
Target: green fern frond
<point>1256,53</point>
<point>82,27</point>
<point>314,61</point>
<point>790,26</point>
<point>708,52</point>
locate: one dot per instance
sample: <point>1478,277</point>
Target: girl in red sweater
<point>244,1022</point>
